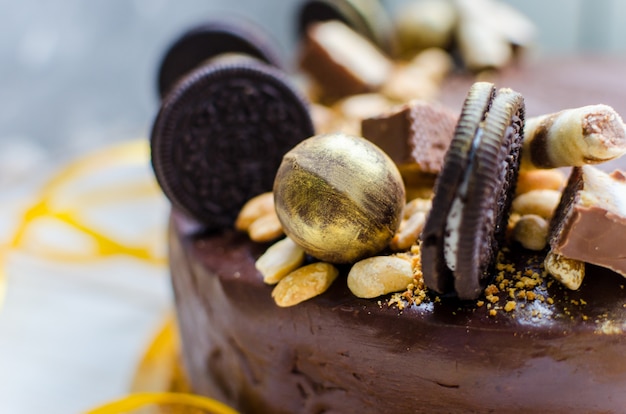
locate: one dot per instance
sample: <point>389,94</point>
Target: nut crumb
<point>416,292</point>
<point>491,290</point>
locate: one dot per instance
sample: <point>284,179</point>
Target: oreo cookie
<point>220,136</point>
<point>367,17</point>
<point>211,39</point>
<point>473,193</point>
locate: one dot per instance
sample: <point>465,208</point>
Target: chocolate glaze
<point>553,84</point>
<point>337,353</point>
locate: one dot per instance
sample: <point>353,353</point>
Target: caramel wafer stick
<point>573,137</point>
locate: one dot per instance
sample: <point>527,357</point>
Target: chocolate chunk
<point>474,193</point>
<point>341,61</point>
<point>209,40</point>
<point>590,222</point>
<point>416,134</point>
<point>220,136</point>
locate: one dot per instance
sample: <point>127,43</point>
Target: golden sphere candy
<point>339,197</point>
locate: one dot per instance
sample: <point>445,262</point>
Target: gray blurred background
<point>75,74</point>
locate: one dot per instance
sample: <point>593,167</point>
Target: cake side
<point>537,347</point>
<point>337,353</point>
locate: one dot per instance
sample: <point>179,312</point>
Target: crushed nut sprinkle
<point>416,292</point>
<point>511,290</point>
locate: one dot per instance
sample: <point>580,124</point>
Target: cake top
<point>225,130</point>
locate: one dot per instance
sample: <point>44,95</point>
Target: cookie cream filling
<point>453,221</point>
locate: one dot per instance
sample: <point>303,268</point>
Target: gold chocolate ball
<point>339,197</point>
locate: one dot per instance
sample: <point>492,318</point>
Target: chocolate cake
<point>516,340</point>
<point>340,353</point>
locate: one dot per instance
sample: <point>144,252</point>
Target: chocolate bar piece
<point>341,61</point>
<point>415,134</point>
<point>590,222</point>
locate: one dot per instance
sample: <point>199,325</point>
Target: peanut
<point>422,24</point>
<point>361,106</point>
<point>436,62</point>
<point>531,231</point>
<point>539,202</point>
<point>266,228</point>
<point>304,283</point>
<point>408,82</point>
<point>480,46</point>
<point>279,260</point>
<point>408,232</point>
<point>379,275</point>
<point>569,272</point>
<point>255,207</point>
<point>513,219</point>
<point>418,204</point>
<point>550,179</point>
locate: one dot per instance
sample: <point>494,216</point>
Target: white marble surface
<point>80,310</point>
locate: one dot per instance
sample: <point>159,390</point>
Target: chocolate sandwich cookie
<point>473,193</point>
<point>220,136</point>
<point>209,40</point>
<point>367,17</point>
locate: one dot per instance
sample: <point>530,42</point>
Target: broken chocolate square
<point>590,222</point>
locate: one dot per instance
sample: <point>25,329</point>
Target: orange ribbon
<point>183,401</point>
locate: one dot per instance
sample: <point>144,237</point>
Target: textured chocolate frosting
<point>338,353</point>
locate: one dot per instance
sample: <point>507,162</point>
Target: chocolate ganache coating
<point>337,353</point>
